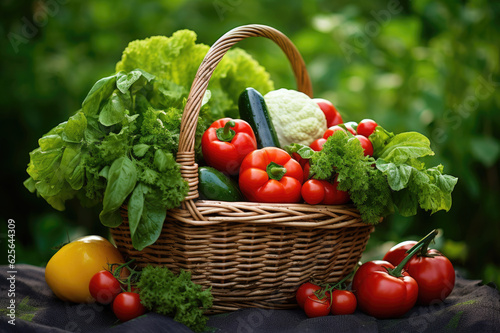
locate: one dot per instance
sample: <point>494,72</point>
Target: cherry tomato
<point>351,127</point>
<point>127,306</point>
<point>104,287</point>
<point>305,290</point>
<point>329,132</point>
<point>343,302</point>
<point>433,272</point>
<point>316,191</point>
<point>313,191</point>
<point>366,144</point>
<point>366,127</point>
<point>317,144</point>
<point>332,116</point>
<point>314,307</point>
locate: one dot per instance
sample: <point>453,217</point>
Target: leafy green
<point>400,180</point>
<point>163,292</point>
<point>174,61</point>
<point>343,157</point>
<point>119,149</point>
<point>414,184</point>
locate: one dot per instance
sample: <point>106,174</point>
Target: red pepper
<point>385,291</point>
<point>270,175</point>
<point>226,143</point>
<point>433,272</point>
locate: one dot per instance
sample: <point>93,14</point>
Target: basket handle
<point>185,155</point>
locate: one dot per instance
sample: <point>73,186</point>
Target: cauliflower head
<point>295,116</point>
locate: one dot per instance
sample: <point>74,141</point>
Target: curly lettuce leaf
<point>173,295</point>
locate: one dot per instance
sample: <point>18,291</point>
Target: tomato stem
<point>225,133</point>
<point>426,242</point>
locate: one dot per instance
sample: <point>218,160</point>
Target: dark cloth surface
<point>471,307</point>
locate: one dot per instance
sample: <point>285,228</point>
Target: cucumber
<point>254,111</point>
<point>214,185</point>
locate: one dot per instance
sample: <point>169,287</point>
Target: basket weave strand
<point>250,254</point>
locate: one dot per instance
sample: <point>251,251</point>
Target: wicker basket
<point>251,254</point>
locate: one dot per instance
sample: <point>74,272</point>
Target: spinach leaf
<point>151,223</point>
<point>101,90</point>
<point>122,177</point>
<point>135,207</point>
<point>115,109</point>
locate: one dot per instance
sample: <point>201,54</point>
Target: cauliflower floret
<point>296,117</point>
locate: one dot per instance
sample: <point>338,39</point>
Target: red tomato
<point>316,191</point>
<point>127,306</point>
<point>314,307</point>
<point>332,116</point>
<point>343,302</point>
<point>104,287</point>
<point>433,272</point>
<point>329,132</point>
<point>305,290</point>
<point>366,144</point>
<point>381,294</point>
<point>366,127</point>
<point>313,191</point>
<point>317,144</point>
<point>351,127</point>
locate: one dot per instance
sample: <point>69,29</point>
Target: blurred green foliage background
<point>422,65</point>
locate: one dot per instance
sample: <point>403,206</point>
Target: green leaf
<point>405,146</point>
<point>135,79</point>
<point>379,139</point>
<point>304,151</point>
<point>50,142</point>
<point>30,184</point>
<point>140,149</point>
<point>122,178</point>
<point>163,161</point>
<point>397,175</point>
<point>71,166</point>
<point>406,202</point>
<point>75,128</point>
<point>115,109</point>
<point>111,219</point>
<point>135,207</point>
<point>151,223</point>
<point>101,90</point>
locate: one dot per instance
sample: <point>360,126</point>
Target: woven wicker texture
<point>251,254</point>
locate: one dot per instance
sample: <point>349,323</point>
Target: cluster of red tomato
<point>107,289</point>
<point>270,174</point>
<point>410,273</point>
<point>316,191</point>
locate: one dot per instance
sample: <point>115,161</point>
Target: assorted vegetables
<point>120,150</point>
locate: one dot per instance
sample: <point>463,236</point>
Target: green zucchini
<point>254,111</point>
<point>214,185</point>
